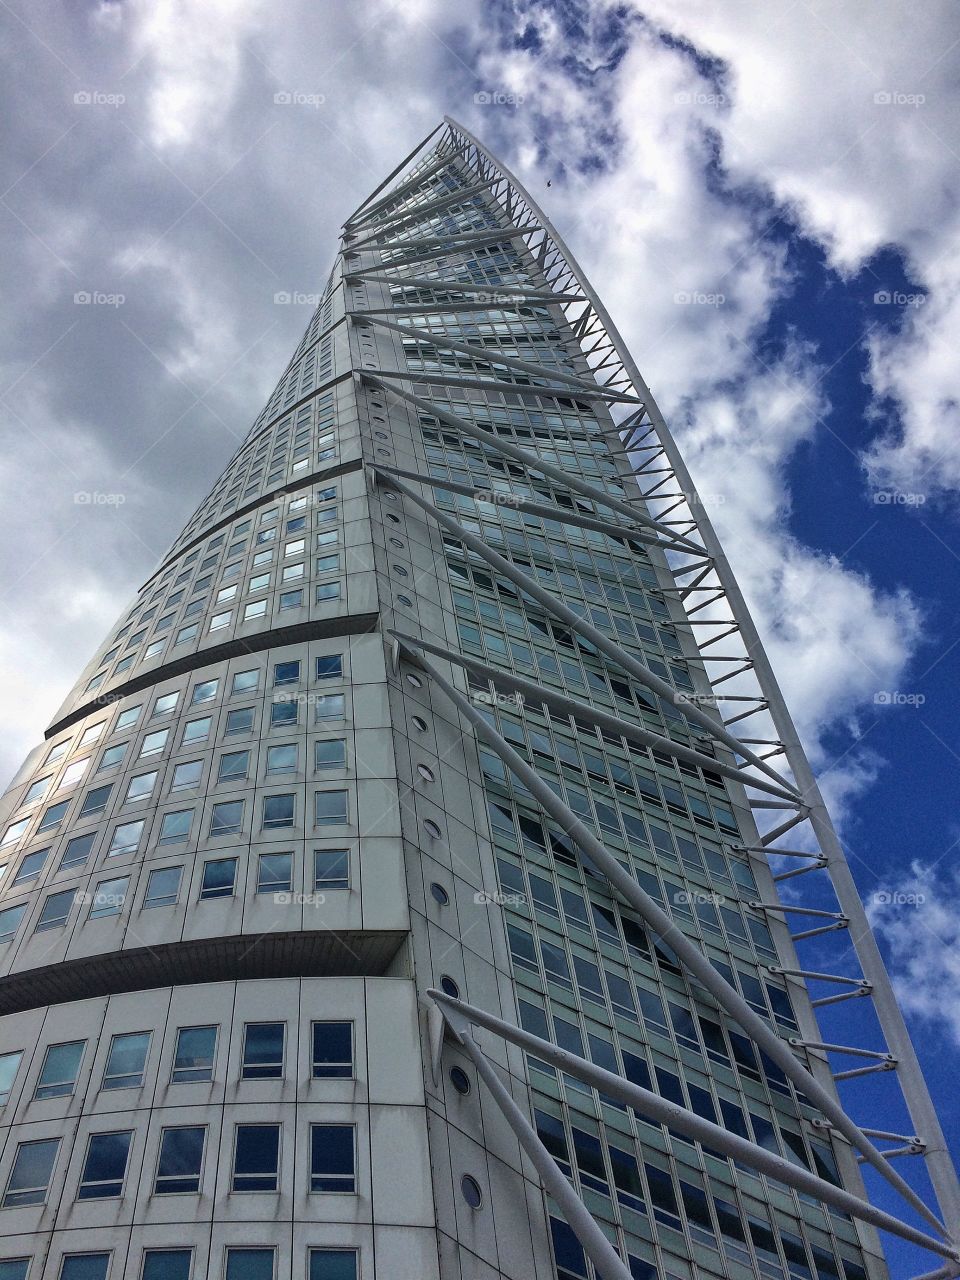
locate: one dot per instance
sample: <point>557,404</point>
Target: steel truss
<point>668,512</point>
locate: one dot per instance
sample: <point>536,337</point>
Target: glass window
<point>166,1264</point>
<point>187,774</point>
<point>55,910</point>
<point>204,691</point>
<point>126,1060</point>
<point>109,897</point>
<point>112,756</point>
<point>176,826</point>
<point>284,712</point>
<point>278,811</point>
<point>140,787</point>
<point>163,887</point>
<point>274,873</point>
<point>73,773</point>
<point>95,801</point>
<point>15,831</point>
<point>332,1050</point>
<point>240,720</point>
<point>77,851</point>
<point>14,1268</point>
<point>328,564</point>
<point>233,764</point>
<point>256,1157</point>
<point>226,817</point>
<point>250,1264</point>
<point>195,731</point>
<point>245,681</point>
<point>165,704</point>
<point>256,609</point>
<point>330,667</point>
<point>61,1065</point>
<point>330,754</point>
<point>282,759</point>
<point>219,877</point>
<point>330,808</point>
<point>154,742</point>
<point>332,1158</point>
<point>220,620</point>
<point>328,591</point>
<point>181,1158</point>
<point>31,1172</point>
<point>129,717</point>
<point>263,1051</point>
<point>333,1264</point>
<point>31,866</point>
<point>126,837</point>
<point>105,1166</point>
<point>286,673</point>
<point>53,816</point>
<point>84,1266</point>
<point>37,790</point>
<point>329,706</point>
<point>331,869</point>
<point>193,1057</point>
<point>10,918</point>
<point>9,1066</point>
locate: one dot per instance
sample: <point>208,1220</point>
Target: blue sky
<point>766,198</point>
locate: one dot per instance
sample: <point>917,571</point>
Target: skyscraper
<point>395,896</point>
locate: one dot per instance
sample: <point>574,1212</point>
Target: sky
<point>766,199</point>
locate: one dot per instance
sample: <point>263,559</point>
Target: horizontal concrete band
<point>311,954</point>
<point>320,629</point>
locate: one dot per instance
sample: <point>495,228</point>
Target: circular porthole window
<point>395,542</point>
<point>414,680</point>
<point>384,453</point>
<point>439,894</point>
<point>405,600</point>
<point>390,497</point>
<point>449,987</point>
<point>400,571</point>
<point>470,1188</point>
<point>426,773</point>
<point>420,724</point>
<point>431,828</point>
<point>381,435</point>
<point>392,518</point>
<point>460,1080</point>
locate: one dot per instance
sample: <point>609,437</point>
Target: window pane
<point>332,1050</point>
<point>14,1268</point>
<point>105,1166</point>
<point>84,1266</point>
<point>332,1161</point>
<point>250,1264</point>
<point>331,754</point>
<point>181,1156</point>
<point>166,1264</point>
<point>333,1264</point>
<point>233,764</point>
<point>263,1051</point>
<point>163,887</point>
<point>226,818</point>
<point>109,897</point>
<point>329,706</point>
<point>128,1057</point>
<point>331,869</point>
<point>55,910</point>
<point>176,826</point>
<point>9,1066</point>
<point>330,667</point>
<point>286,673</point>
<point>278,811</point>
<point>187,774</point>
<point>10,919</point>
<point>256,1157</point>
<point>30,1175</point>
<point>193,1060</point>
<point>77,851</point>
<point>218,878</point>
<point>31,866</point>
<point>126,837</point>
<point>58,1075</point>
<point>274,872</point>
<point>331,808</point>
<point>282,759</point>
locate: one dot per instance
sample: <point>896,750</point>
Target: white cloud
<point>918,915</point>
